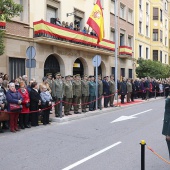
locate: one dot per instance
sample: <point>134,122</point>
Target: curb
<point>97,112</point>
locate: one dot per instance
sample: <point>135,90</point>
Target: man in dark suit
<point>106,91</point>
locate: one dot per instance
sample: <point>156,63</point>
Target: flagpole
<point>116,49</point>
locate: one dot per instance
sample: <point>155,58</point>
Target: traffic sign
<point>30,52</point>
<point>97,61</point>
<point>30,63</point>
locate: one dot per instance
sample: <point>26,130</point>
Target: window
<point>140,27</point>
<point>112,6</point>
<point>112,35</point>
<point>140,4</point>
<point>122,71</point>
<point>113,71</point>
<point>16,67</point>
<point>166,8</point>
<point>165,23</point>
<point>161,35</point>
<point>165,41</point>
<point>147,53</point>
<point>140,51</point>
<point>165,58</point>
<point>155,55</point>
<point>130,73</point>
<point>129,41</point>
<point>161,56</point>
<point>122,11</point>
<point>155,34</point>
<point>161,15</point>
<point>78,18</point>
<point>51,13</point>
<point>147,31</point>
<point>122,39</point>
<point>130,16</point>
<point>147,8</point>
<point>155,13</point>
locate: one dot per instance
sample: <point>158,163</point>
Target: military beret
<point>77,75</point>
<point>49,74</point>
<point>67,76</point>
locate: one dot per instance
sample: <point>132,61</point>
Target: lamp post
<point>116,50</point>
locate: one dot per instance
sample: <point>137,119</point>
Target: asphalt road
<point>92,143</point>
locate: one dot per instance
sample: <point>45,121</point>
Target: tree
<point>152,69</point>
<point>8,10</point>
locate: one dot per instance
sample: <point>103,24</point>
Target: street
<point>107,141</point>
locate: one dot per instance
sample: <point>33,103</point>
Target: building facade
<point>62,50</point>
<point>151,30</point>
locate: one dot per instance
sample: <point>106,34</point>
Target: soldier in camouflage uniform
<point>68,95</point>
<point>76,93</point>
<point>100,92</point>
<point>49,79</point>
<point>85,92</point>
<point>112,90</point>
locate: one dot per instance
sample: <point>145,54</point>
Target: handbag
<point>15,107</point>
<point>4,116</point>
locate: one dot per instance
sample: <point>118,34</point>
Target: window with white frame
<point>140,4</point>
<point>122,11</point>
<point>161,56</point>
<point>147,53</point>
<point>165,23</point>
<point>147,8</point>
<point>51,13</point>
<point>112,10</point>
<point>161,35</point>
<point>140,51</point>
<point>147,30</point>
<point>130,16</point>
<point>166,5</point>
<point>165,58</point>
<point>130,43</point>
<point>155,34</point>
<point>140,27</point>
<point>165,41</point>
<point>112,34</point>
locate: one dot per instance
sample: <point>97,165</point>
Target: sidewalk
<point>97,112</point>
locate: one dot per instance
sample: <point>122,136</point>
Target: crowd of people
<point>26,102</point>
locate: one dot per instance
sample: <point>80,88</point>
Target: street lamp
<point>69,14</point>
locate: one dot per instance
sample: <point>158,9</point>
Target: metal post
<point>116,48</point>
<point>61,106</point>
<point>97,83</point>
<point>143,143</point>
<point>155,93</point>
<point>30,64</point>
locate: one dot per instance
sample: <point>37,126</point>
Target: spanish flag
<point>96,20</point>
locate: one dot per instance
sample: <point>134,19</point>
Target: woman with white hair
<point>46,102</point>
<point>14,100</point>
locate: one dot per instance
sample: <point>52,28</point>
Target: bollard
<point>142,143</point>
<point>61,105</point>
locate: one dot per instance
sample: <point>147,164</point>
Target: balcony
<point>47,33</point>
<point>125,52</point>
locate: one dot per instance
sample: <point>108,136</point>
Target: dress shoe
<point>1,131</point>
<point>27,126</point>
<point>12,130</point>
<point>69,114</point>
<point>16,129</point>
<point>22,127</point>
<point>84,111</point>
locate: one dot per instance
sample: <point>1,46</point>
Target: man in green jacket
<point>92,93</point>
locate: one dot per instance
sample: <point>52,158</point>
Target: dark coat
<point>13,97</point>
<point>106,87</point>
<point>123,88</point>
<point>34,99</point>
<point>166,123</point>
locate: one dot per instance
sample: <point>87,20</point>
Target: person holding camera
<point>24,116</point>
<point>14,100</point>
<point>46,103</point>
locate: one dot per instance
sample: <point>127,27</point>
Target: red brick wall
<point>17,28</point>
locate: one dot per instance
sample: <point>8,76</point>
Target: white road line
<point>142,112</point>
<point>91,156</point>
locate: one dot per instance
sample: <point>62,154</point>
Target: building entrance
<point>51,65</point>
<point>78,67</point>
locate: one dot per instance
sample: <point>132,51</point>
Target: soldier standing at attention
<point>49,79</point>
<point>106,90</point>
<point>129,90</point>
<point>85,92</point>
<point>123,90</point>
<point>112,90</point>
<point>76,93</point>
<point>57,92</point>
<point>92,93</point>
<point>68,95</point>
<point>100,92</point>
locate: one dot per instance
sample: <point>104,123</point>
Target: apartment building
<point>63,50</point>
<point>125,18</point>
<point>151,30</point>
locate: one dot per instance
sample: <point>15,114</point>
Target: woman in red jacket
<point>24,117</point>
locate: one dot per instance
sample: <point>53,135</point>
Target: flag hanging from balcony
<point>96,20</point>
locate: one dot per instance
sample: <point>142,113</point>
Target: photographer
<point>46,102</point>
<point>24,117</point>
<point>14,100</point>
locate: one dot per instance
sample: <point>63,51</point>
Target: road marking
<point>122,118</point>
<point>91,156</point>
